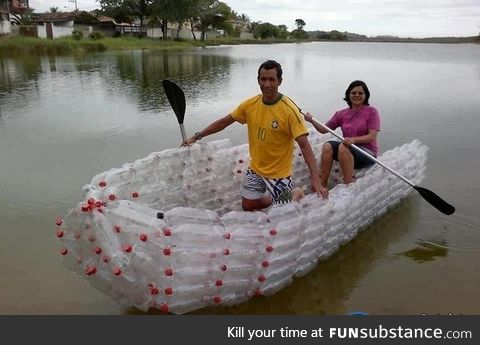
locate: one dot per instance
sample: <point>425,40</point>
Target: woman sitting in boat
<point>360,124</point>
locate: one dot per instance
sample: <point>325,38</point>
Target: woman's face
<point>357,96</point>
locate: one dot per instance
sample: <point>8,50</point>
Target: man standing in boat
<point>273,123</point>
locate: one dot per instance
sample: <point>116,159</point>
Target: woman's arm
<point>308,117</point>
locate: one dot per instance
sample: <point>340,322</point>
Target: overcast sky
<point>405,18</point>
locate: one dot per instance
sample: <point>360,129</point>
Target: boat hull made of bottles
<point>167,231</point>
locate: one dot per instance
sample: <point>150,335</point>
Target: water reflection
<point>135,75</point>
<point>142,73</point>
<point>426,252</point>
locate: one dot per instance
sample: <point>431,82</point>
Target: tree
<point>265,30</point>
<point>282,31</point>
<point>54,10</point>
<point>127,10</point>
<point>299,23</point>
<point>211,14</point>
<point>139,8</point>
<point>299,33</point>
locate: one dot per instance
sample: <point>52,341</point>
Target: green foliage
<point>84,17</point>
<point>96,35</point>
<point>77,35</point>
<point>39,46</point>
<point>299,34</point>
<point>265,30</point>
<point>300,23</point>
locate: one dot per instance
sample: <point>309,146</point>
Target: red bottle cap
<point>117,271</point>
<point>102,183</point>
<point>169,272</point>
<point>269,249</point>
<point>90,270</point>
<point>167,251</point>
<point>143,237</point>
<point>127,248</point>
<point>164,308</point>
<point>168,291</point>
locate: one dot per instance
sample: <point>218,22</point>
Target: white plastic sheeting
<point>167,231</point>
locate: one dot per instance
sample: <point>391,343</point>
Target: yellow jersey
<point>272,129</point>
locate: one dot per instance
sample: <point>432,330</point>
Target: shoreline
<point>14,46</point>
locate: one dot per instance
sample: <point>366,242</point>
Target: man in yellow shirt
<point>273,123</point>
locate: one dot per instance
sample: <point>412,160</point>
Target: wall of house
<point>58,29</point>
<point>63,29</point>
<point>154,33</point>
<point>5,27</point>
<point>42,30</point>
<point>246,36</point>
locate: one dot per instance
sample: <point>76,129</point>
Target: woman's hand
<point>348,141</point>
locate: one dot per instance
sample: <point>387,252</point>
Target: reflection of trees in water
<point>15,73</point>
<point>327,288</point>
<point>426,252</point>
<point>17,77</point>
<point>143,73</point>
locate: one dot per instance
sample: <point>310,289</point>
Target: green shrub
<point>96,35</point>
<point>77,35</point>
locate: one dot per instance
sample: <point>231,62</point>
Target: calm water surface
<point>65,119</point>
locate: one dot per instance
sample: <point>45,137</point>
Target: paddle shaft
<point>359,150</point>
<point>182,129</point>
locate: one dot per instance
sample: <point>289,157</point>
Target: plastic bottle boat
<point>167,231</point>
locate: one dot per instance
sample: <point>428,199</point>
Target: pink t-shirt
<point>355,123</point>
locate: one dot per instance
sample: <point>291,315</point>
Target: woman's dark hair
<point>270,64</point>
<point>355,84</point>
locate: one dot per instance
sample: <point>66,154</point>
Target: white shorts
<point>254,187</point>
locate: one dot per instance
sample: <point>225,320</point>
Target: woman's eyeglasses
<point>360,93</point>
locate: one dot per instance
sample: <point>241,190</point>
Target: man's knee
<point>256,204</point>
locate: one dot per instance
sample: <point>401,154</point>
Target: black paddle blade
<point>176,97</point>
<point>435,200</point>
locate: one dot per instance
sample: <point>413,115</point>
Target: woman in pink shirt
<point>360,124</point>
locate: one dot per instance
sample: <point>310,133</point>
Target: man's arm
<point>214,127</point>
<point>312,165</point>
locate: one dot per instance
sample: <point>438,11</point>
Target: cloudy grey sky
<point>406,18</point>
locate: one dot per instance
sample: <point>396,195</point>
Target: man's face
<point>269,83</point>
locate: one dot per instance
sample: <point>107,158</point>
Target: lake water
<point>65,119</point>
